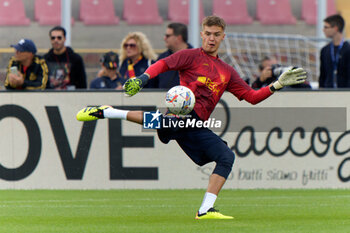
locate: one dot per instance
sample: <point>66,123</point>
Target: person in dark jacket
<point>335,56</point>
<point>175,39</point>
<point>66,68</point>
<point>26,70</point>
<point>109,76</point>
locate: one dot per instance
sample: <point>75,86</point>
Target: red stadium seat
<point>141,12</point>
<point>178,11</point>
<point>98,12</point>
<point>274,12</point>
<point>12,12</point>
<point>232,11</point>
<point>309,10</point>
<point>48,12</point>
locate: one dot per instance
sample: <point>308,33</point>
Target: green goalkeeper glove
<point>289,77</point>
<point>134,85</point>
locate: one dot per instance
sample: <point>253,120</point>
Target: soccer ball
<point>180,100</point>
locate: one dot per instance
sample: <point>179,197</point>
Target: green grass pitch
<point>173,211</point>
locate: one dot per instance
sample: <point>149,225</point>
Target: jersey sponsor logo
<point>210,84</point>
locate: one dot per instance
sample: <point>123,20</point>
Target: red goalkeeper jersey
<point>208,77</point>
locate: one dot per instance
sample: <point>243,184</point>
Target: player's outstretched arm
<point>292,76</point>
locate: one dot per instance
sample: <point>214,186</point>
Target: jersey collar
<point>212,57</point>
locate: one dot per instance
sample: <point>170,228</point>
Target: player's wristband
<point>144,79</point>
<point>272,88</point>
<point>276,86</point>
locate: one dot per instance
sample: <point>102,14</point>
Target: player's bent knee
<point>227,158</point>
<point>224,164</point>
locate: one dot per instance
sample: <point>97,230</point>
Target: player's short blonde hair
<point>142,43</point>
<point>213,21</point>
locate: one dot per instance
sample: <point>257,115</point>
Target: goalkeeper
<point>208,77</point>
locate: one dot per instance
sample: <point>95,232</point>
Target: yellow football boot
<point>212,214</point>
<point>91,113</point>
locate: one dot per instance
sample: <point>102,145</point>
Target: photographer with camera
<point>270,70</point>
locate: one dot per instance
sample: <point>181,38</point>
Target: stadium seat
<point>98,12</point>
<point>178,11</point>
<point>309,10</point>
<point>48,12</point>
<point>274,12</point>
<point>232,11</point>
<point>12,13</point>
<point>141,12</point>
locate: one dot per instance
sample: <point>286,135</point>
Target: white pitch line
<point>92,206</point>
<point>56,201</point>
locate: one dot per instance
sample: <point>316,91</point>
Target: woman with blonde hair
<point>136,55</point>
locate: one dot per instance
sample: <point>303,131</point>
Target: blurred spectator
<point>265,77</point>
<point>136,55</point>
<point>335,56</point>
<point>110,77</point>
<point>66,68</point>
<point>269,72</point>
<point>26,70</point>
<point>175,40</point>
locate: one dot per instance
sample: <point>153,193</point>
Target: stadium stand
<point>12,13</point>
<point>92,41</point>
<point>141,12</point>
<point>99,35</point>
<point>48,12</point>
<point>98,12</point>
<point>309,10</point>
<point>232,11</point>
<point>178,11</point>
<point>274,12</point>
